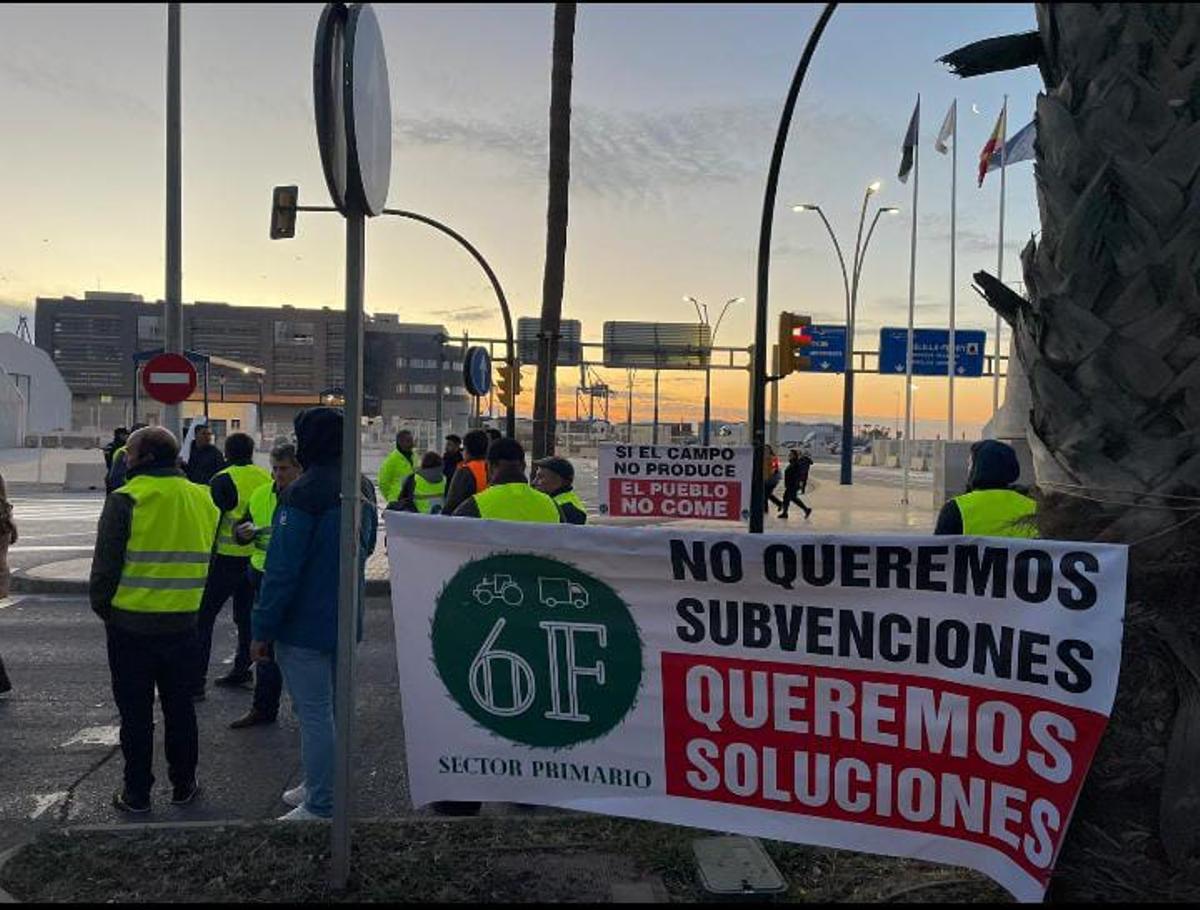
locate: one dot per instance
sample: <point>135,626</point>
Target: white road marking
<point>96,736</point>
<point>45,801</point>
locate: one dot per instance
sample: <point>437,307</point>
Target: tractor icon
<point>498,587</point>
<point>559,592</point>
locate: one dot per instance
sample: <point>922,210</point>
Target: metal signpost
<point>931,351</point>
<point>657,345</point>
<point>354,134</point>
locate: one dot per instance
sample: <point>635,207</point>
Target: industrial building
<point>93,340</point>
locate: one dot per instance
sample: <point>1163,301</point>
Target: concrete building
<point>34,397</point>
<point>93,340</point>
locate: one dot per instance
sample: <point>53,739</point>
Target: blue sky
<point>675,111</point>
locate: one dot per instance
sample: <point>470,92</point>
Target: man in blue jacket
<point>297,608</point>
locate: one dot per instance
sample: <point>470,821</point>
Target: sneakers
<point>295,796</point>
<point>251,718</point>
<point>234,679</point>
<point>300,814</point>
<point>807,514</point>
<point>125,803</point>
<point>181,796</point>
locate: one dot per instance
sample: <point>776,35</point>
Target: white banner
<point>668,481</point>
<point>930,697</point>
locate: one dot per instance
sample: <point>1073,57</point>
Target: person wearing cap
<point>453,456</point>
<point>990,507</point>
<point>554,477</point>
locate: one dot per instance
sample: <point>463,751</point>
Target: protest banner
<point>669,481</point>
<point>938,698</point>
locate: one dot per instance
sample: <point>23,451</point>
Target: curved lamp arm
<point>717,327</point>
<point>841,259</point>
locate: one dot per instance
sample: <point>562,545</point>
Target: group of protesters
<point>184,530</point>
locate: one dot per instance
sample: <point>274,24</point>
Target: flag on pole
<point>1018,148</point>
<point>910,143</point>
<point>992,147</point>
<point>946,131</point>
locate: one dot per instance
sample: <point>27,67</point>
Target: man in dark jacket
<point>508,496</point>
<point>297,608</point>
<point>117,470</point>
<point>471,476</point>
<point>554,476</point>
<point>120,435</point>
<point>452,457</point>
<point>990,507</point>
<point>791,485</point>
<point>205,459</point>
<point>148,574</point>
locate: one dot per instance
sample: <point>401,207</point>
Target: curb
<point>5,856</point>
<point>23,584</point>
<point>139,827</point>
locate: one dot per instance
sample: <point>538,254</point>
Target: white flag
<point>946,131</point>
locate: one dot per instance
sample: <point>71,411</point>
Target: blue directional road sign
<point>931,349</point>
<point>827,353</point>
<point>477,371</point>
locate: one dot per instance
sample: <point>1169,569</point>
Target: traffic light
<point>508,386</point>
<point>794,342</point>
<point>283,212</point>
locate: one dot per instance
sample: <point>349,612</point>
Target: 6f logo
<point>536,650</point>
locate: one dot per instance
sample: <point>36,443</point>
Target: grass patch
<point>503,859</point>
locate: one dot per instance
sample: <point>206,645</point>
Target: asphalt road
<point>59,762</point>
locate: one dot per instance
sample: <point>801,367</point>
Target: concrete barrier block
<point>893,461</point>
<point>84,475</point>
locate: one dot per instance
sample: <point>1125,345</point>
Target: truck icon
<point>560,592</point>
<point>498,586</point>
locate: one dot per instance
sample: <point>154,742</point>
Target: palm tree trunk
<point>1110,339</point>
<point>554,275</point>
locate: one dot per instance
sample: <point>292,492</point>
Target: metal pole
<point>847,478</point>
<point>135,392</point>
<point>654,435</point>
<point>758,376</point>
<point>629,413</point>
<point>906,448</point>
<point>775,397</point>
<point>173,308</point>
<point>205,391</point>
<point>707,397</point>
<point>953,352</point>
<point>348,589</point>
<point>999,261</point>
<point>441,384</point>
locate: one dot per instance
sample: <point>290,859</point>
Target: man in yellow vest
<point>148,575</point>
<point>554,477</point>
<point>255,529</point>
<point>990,507</point>
<point>397,467</point>
<point>229,576</point>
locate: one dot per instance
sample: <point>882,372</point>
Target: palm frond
<point>994,55</point>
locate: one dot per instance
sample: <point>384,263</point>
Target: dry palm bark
<point>1110,339</point>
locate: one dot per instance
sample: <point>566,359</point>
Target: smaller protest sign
<point>670,481</point>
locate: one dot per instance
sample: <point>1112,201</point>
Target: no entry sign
<point>169,378</point>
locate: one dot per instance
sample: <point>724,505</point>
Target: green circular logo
<point>535,650</point>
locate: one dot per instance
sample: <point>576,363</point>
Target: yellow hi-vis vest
<point>246,478</point>
<point>262,510</point>
<point>170,543</point>
<point>429,497</point>
<point>996,513</point>
<point>569,498</point>
<point>516,502</point>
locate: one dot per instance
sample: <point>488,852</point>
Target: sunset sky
<point>675,109</point>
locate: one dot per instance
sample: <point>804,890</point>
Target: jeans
<point>310,676</point>
<point>139,663</point>
<point>790,496</point>
<point>227,577</point>
<point>268,680</point>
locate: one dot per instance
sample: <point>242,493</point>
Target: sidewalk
<point>870,506</point>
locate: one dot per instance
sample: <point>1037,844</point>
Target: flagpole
<point>953,353</point>
<point>999,266</point>
<point>912,289</point>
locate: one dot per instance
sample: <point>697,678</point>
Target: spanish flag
<point>993,144</point>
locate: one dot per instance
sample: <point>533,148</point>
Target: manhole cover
<point>736,865</point>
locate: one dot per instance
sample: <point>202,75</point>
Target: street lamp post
<point>712,340</point>
<point>850,284</point>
